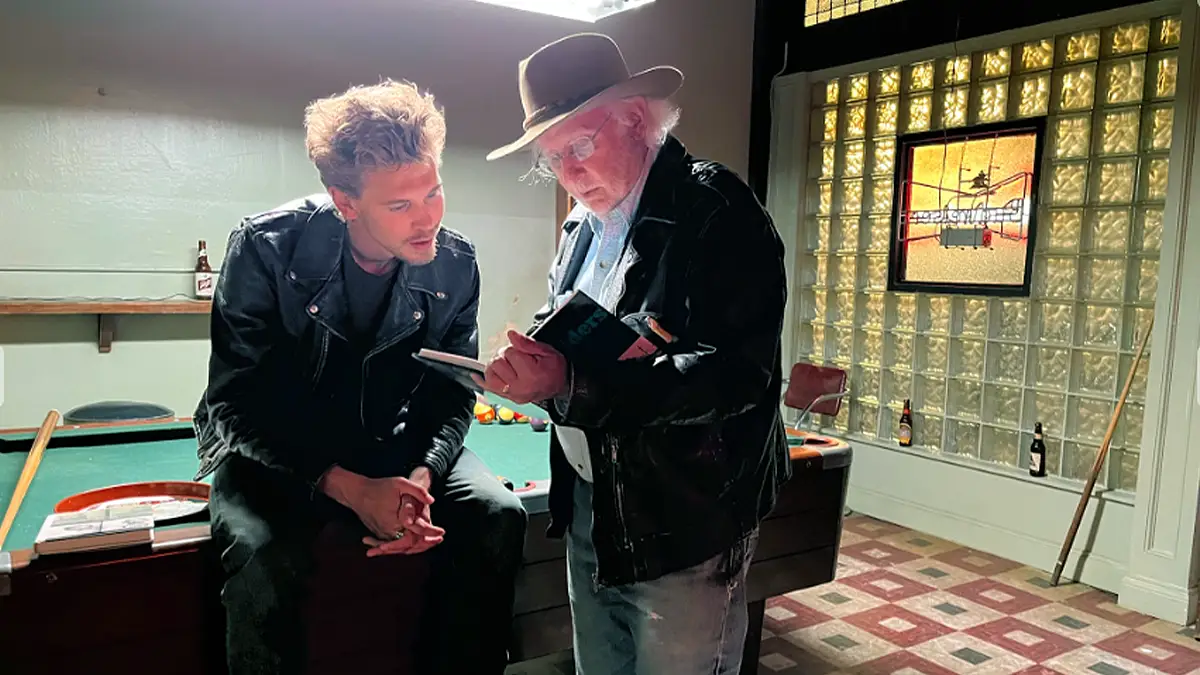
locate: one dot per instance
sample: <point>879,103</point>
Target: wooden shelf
<point>64,307</point>
<point>106,311</point>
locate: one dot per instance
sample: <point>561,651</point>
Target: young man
<point>316,415</point>
<point>663,466</point>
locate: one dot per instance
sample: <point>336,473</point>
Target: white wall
<point>130,129</point>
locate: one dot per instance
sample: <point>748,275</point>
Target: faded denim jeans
<point>691,622</point>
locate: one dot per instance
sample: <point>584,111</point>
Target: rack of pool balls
<point>495,413</point>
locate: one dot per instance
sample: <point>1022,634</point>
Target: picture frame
<point>965,209</point>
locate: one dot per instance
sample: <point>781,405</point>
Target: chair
<point>814,389</point>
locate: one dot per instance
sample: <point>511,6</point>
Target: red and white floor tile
<point>905,603</point>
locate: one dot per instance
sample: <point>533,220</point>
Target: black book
<point>585,333</point>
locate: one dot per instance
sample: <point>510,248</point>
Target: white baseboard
<point>1021,520</point>
<point>989,537</point>
<point>1165,601</point>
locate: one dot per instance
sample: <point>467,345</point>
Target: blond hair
<point>368,127</point>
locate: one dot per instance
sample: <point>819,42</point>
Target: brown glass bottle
<point>202,285</point>
<point>906,430</point>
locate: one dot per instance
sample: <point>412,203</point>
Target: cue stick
<point>1101,454</point>
<point>31,466</point>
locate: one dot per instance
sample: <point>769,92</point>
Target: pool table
<point>128,609</point>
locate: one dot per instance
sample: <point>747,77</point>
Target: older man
<point>316,417</point>
<point>662,467</point>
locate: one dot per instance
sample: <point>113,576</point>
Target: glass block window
<point>981,371</point>
<point>821,11</point>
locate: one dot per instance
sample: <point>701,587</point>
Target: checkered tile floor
<point>905,603</point>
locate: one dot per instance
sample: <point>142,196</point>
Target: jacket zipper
<point>362,412</point>
<point>619,498</point>
<point>321,360</point>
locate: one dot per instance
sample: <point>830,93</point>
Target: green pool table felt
<point>513,451</point>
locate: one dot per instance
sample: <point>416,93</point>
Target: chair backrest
<point>808,382</point>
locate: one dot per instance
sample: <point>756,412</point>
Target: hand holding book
<point>534,367</point>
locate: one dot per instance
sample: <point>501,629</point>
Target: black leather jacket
<point>688,450</point>
<point>279,327</point>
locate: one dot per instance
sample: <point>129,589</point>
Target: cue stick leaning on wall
<point>31,466</point>
<point>1099,463</point>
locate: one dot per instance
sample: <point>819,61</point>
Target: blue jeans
<point>691,622</point>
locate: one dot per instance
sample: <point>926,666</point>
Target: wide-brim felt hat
<point>576,74</point>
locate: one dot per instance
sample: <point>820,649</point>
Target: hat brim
<point>658,82</point>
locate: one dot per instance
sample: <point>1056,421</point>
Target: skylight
<point>580,10</point>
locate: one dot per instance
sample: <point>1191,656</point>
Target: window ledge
<point>1051,482</point>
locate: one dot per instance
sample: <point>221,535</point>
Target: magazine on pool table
<point>584,332</point>
<point>95,530</point>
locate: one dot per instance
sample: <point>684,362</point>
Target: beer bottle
<point>1037,453</point>
<point>906,431</point>
<point>203,276</point>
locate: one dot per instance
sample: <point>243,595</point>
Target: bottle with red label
<point>202,285</point>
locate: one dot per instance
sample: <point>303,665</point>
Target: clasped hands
<point>411,529</point>
<point>525,371</point>
<point>395,510</point>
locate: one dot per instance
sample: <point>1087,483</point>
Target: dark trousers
<point>265,525</point>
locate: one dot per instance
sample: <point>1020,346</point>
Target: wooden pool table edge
<point>165,539</point>
<point>97,426</point>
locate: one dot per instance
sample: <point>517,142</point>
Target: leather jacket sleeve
<point>247,408</point>
<point>442,409</point>
<point>726,353</point>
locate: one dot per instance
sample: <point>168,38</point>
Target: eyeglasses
<point>580,148</point>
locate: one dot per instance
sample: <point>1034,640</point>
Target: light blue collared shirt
<point>596,278</point>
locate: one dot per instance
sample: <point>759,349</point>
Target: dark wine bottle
<point>1037,453</point>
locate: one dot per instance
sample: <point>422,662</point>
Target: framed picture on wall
<point>964,214</point>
